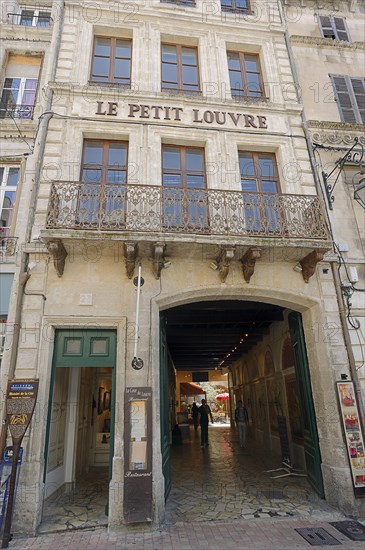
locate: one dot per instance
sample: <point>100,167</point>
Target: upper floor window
<point>9,177</point>
<point>111,61</point>
<point>259,173</point>
<point>235,5</point>
<point>104,175</point>
<point>179,2</point>
<point>31,18</point>
<point>334,27</point>
<point>180,68</point>
<point>20,86</point>
<point>245,75</point>
<point>350,96</point>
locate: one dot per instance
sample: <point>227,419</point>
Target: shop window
<point>245,75</point>
<point>112,58</point>
<point>31,18</point>
<point>184,182</point>
<point>350,97</point>
<point>9,178</point>
<point>180,72</point>
<point>333,27</point>
<point>19,89</point>
<point>104,177</point>
<point>236,6</point>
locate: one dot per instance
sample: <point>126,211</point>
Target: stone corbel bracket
<point>130,252</point>
<point>248,262</point>
<point>158,258</point>
<point>224,260</point>
<point>59,254</point>
<point>309,263</point>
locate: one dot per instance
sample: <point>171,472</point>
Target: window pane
<point>188,56</point>
<point>93,153</point>
<point>2,170</point>
<point>89,175</point>
<point>123,48</point>
<point>99,347</point>
<point>190,75</point>
<point>269,186</point>
<point>116,176</point>
<point>44,19</point>
<point>26,18</point>
<point>73,346</point>
<point>122,68</point>
<point>171,180</point>
<point>117,154</point>
<point>169,73</point>
<point>247,167</point>
<point>233,61</point>
<point>266,166</point>
<point>194,160</point>
<point>241,4</point>
<point>102,46</point>
<point>235,80</point>
<point>171,158</point>
<point>169,53</point>
<point>101,66</point>
<point>251,63</point>
<point>249,186</point>
<point>13,176</point>
<point>196,182</point>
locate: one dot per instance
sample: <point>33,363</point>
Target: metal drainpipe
<point>58,9</point>
<point>336,279</point>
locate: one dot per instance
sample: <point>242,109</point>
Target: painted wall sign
<point>138,455</point>
<point>353,435</point>
<point>178,114</point>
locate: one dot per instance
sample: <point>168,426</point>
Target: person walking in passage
<point>195,415</point>
<point>205,413</point>
<point>241,418</point>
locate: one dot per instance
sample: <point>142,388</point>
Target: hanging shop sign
<point>178,114</point>
<point>353,435</point>
<point>138,455</point>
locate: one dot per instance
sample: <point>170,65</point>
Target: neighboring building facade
<point>173,140</point>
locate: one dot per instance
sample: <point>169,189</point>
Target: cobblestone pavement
<point>221,497</point>
<point>263,535</point>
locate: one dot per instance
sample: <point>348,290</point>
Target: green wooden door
<point>164,408</point>
<point>84,348</point>
<point>308,417</point>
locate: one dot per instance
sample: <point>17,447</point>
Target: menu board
<point>353,435</point>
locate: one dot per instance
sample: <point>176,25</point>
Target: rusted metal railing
<point>150,208</point>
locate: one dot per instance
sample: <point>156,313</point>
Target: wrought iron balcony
<point>28,19</point>
<point>157,209</point>
<point>16,111</point>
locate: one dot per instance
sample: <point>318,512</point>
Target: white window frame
<point>4,188</point>
<point>334,27</point>
<point>354,105</point>
<point>36,11</point>
<point>19,99</point>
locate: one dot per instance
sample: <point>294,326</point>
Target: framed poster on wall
<point>353,435</point>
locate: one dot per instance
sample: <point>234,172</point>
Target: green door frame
<point>307,412</point>
<point>83,358</point>
<point>164,408</point>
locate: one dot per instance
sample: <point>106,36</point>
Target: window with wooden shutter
<point>350,96</point>
<point>334,27</point>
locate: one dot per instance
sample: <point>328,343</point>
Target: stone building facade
<point>170,146</point>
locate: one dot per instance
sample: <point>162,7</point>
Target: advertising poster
<point>353,435</point>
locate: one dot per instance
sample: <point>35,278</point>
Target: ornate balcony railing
<point>148,208</point>
<point>16,111</point>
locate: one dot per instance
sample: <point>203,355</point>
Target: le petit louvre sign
<point>178,114</point>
